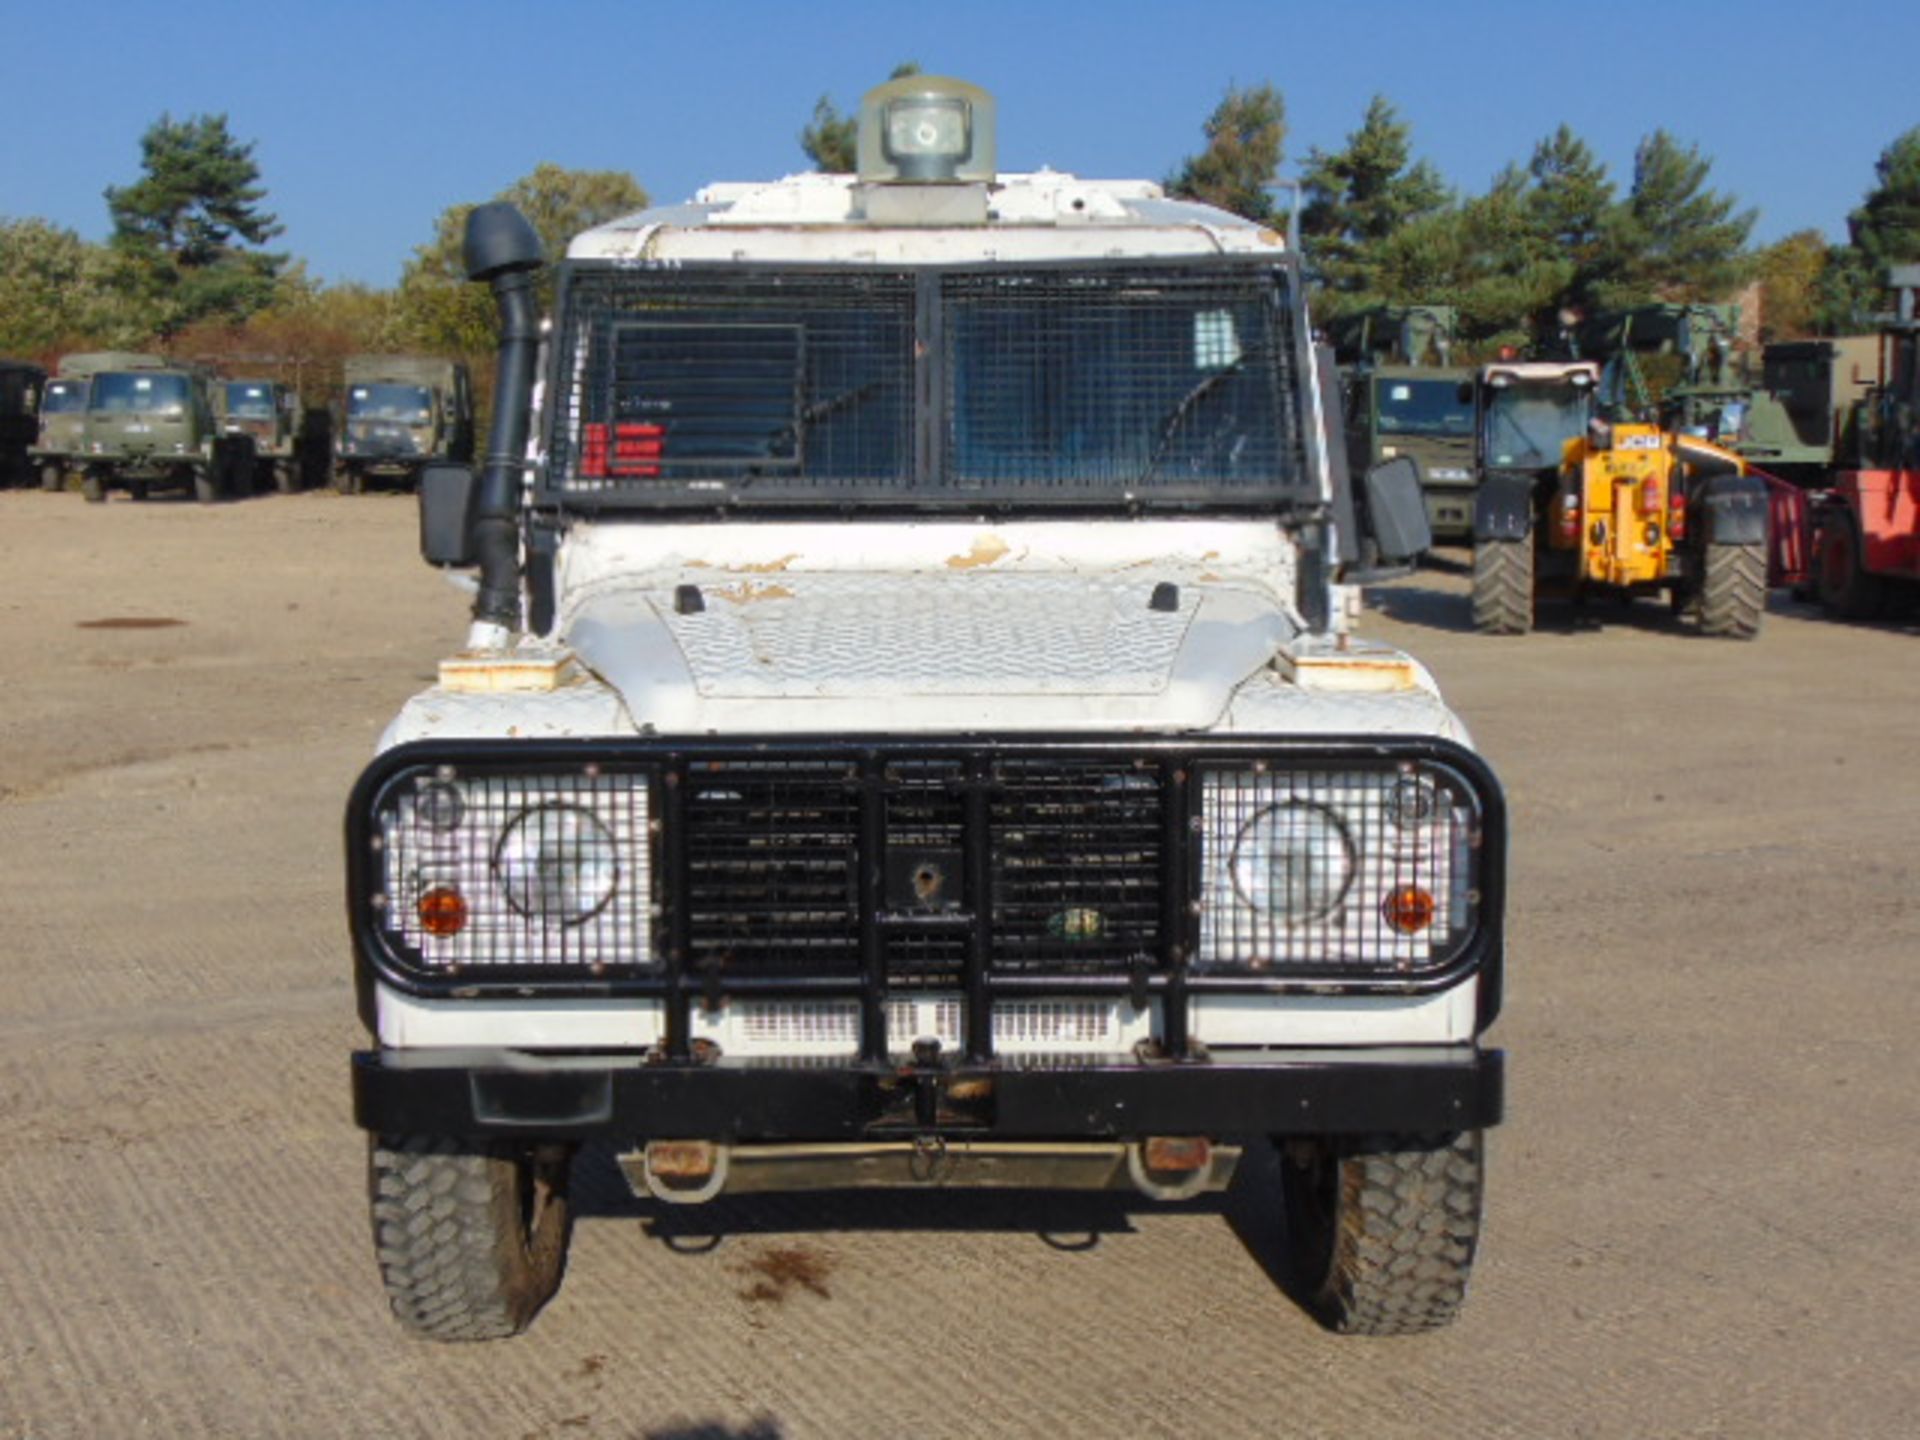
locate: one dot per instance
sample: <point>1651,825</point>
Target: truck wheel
<point>1503,586</point>
<point>1381,1231</point>
<point>471,1237</point>
<point>206,486</point>
<point>1843,584</point>
<point>53,477</point>
<point>93,487</point>
<point>1733,590</point>
<point>286,477</point>
<point>347,480</point>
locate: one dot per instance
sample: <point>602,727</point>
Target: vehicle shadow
<point>762,1429</point>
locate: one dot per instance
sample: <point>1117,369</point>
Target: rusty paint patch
<point>746,593</point>
<point>986,550</point>
<point>130,622</point>
<point>777,1273</point>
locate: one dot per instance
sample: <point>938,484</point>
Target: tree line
<point>188,266</point>
<point>1552,237</point>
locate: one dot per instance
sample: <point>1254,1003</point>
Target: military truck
<point>62,428</point>
<point>1403,398</point>
<point>150,424</point>
<point>21,387</point>
<point>402,412</point>
<point>261,420</point>
<point>910,734</point>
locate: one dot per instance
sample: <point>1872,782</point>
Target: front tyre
<point>471,1236</point>
<point>1733,590</point>
<point>1381,1230</point>
<point>1503,586</point>
<point>53,477</point>
<point>93,487</point>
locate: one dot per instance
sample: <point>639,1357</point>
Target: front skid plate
<point>1303,1092</point>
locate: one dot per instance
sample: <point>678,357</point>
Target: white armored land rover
<point>909,736</point>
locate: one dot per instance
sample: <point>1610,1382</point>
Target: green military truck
<point>261,422</point>
<point>62,443</point>
<point>1403,398</point>
<point>21,386</point>
<point>151,425</point>
<point>402,413</point>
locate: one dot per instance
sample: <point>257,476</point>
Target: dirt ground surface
<point>1702,1210</point>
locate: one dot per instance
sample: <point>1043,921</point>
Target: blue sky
<point>371,118</point>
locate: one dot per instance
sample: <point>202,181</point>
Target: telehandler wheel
<point>471,1237</point>
<point>1503,586</point>
<point>1844,586</point>
<point>1733,590</point>
<point>93,487</point>
<point>53,477</point>
<point>1381,1230</point>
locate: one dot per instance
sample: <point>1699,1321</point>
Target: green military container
<point>1402,398</point>
<point>22,385</point>
<point>401,413</point>
<point>1819,384</point>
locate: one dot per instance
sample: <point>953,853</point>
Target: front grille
<point>773,854</point>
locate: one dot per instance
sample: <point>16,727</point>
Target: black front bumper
<point>1296,1092</point>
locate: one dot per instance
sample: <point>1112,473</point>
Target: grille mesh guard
<point>866,872</point>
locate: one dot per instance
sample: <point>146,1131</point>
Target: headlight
<point>557,862</point>
<point>504,871</point>
<point>1337,872</point>
<point>1292,861</point>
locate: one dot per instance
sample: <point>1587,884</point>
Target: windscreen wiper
<point>1177,416</point>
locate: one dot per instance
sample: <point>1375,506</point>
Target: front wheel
<point>1841,579</point>
<point>1733,590</point>
<point>347,480</point>
<point>53,477</point>
<point>286,477</point>
<point>1381,1230</point>
<point>93,487</point>
<point>1503,586</point>
<point>206,486</point>
<point>471,1237</point>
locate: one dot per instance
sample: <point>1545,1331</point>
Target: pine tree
<point>179,231</point>
<point>1571,209</point>
<point>1676,239</point>
<point>1359,196</point>
<point>1246,136</point>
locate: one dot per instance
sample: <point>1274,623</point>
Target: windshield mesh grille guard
<point>1115,384</point>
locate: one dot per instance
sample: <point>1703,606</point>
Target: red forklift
<point>1866,528</point>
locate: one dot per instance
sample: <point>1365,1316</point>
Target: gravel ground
<point>1701,1211</point>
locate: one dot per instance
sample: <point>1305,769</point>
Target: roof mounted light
<point>926,129</point>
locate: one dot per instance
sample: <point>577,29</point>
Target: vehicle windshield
<point>249,402</point>
<point>1118,385</point>
<point>408,404</point>
<point>1528,424</point>
<point>63,397</point>
<point>166,396</point>
<point>1423,407</point>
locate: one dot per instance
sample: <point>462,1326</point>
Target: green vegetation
<point>186,268</point>
<point>1246,135</point>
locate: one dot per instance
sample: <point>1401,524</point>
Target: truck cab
<point>911,734</point>
<point>147,425</point>
<point>401,413</point>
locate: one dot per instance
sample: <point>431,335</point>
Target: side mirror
<point>1397,511</point>
<point>447,494</point>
